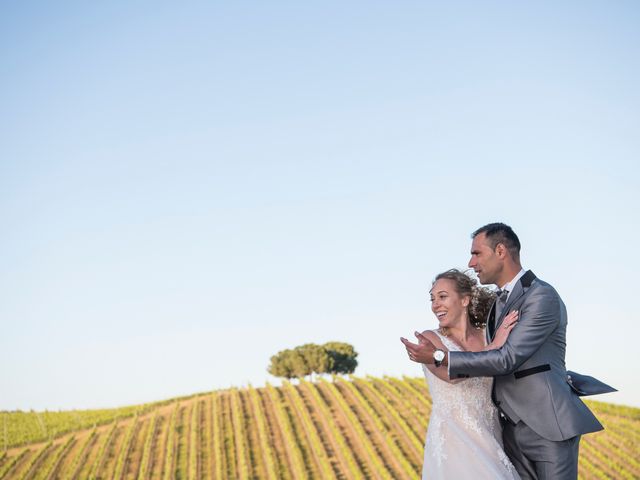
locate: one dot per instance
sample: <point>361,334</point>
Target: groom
<point>543,418</point>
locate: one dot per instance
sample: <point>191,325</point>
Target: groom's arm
<point>540,315</point>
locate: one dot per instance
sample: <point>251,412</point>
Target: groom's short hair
<point>500,233</point>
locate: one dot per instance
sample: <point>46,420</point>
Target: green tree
<point>288,364</point>
<point>310,358</point>
<point>280,366</point>
<point>343,356</point>
<point>316,359</point>
<point>296,363</point>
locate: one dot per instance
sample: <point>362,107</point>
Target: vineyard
<point>346,429</point>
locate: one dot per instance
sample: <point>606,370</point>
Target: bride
<point>464,438</point>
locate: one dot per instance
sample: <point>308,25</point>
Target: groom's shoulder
<point>541,287</point>
<point>539,283</point>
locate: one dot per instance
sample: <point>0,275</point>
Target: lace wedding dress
<point>464,438</point>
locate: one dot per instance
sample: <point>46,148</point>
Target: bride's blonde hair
<point>481,298</point>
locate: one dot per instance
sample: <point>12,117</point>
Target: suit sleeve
<point>540,315</point>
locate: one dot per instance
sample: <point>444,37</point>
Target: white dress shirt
<point>510,285</point>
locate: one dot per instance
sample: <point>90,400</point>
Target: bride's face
<point>447,304</point>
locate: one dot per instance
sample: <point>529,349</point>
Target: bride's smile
<point>447,305</point>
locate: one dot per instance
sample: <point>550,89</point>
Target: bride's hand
<point>503,332</point>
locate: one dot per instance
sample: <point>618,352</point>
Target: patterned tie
<point>501,301</point>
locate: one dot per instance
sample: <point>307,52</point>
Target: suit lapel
<point>518,291</point>
<point>491,321</point>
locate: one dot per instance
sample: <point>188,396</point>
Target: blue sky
<point>186,190</point>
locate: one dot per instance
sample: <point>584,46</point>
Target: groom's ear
<point>501,250</point>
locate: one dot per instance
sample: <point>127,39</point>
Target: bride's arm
<point>503,332</point>
<point>440,372</point>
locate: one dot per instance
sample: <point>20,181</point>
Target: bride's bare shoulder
<point>434,338</point>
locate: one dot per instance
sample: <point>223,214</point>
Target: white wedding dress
<point>464,438</point>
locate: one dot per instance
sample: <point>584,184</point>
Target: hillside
<point>363,428</point>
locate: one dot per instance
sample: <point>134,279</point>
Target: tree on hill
<point>316,359</point>
<point>343,356</point>
<point>332,357</point>
<point>287,364</point>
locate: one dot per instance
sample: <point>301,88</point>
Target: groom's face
<point>484,260</point>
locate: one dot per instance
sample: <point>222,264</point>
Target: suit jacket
<point>530,374</point>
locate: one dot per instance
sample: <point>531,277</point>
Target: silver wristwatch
<point>438,357</point>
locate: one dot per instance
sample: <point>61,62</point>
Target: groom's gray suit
<point>543,414</point>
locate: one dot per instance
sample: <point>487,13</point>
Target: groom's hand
<point>421,352</point>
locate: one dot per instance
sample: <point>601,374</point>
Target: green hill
<point>348,429</point>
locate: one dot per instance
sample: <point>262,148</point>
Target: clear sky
<point>186,189</point>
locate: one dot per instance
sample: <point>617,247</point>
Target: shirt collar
<point>509,286</point>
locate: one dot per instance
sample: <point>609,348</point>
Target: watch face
<point>438,355</point>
